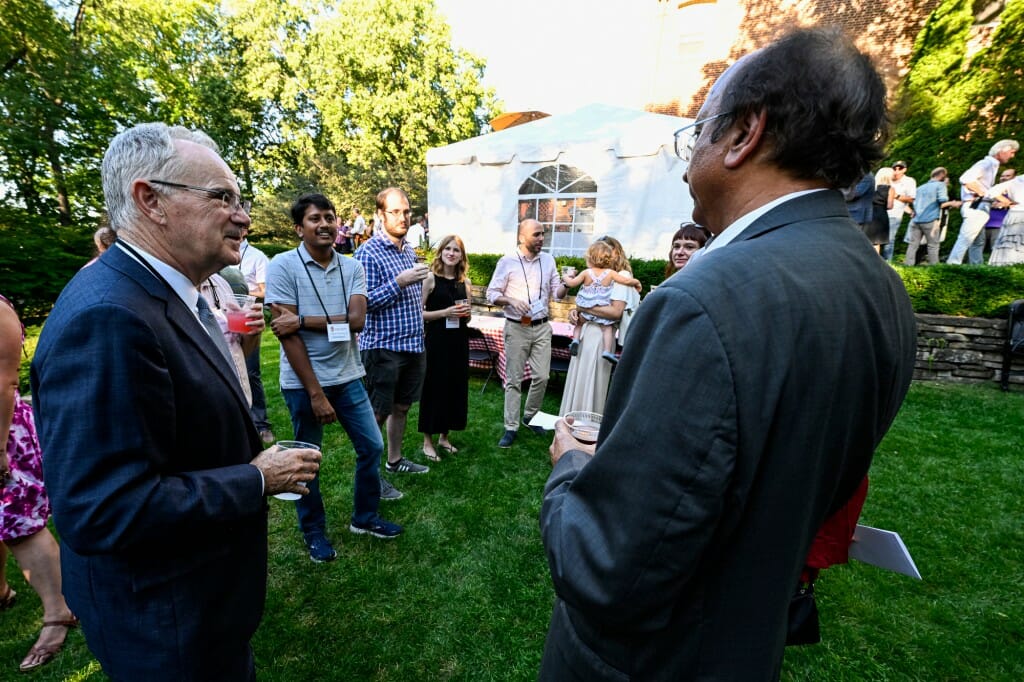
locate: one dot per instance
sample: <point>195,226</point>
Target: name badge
<point>538,309</point>
<point>451,323</point>
<point>338,331</point>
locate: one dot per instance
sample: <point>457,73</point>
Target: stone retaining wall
<point>965,349</point>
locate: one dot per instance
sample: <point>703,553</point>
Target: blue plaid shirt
<point>394,316</point>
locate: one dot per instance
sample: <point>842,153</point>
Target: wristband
<point>302,322</point>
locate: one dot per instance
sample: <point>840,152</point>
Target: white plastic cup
<point>293,445</point>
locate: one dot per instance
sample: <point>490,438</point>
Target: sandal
<point>46,652</point>
<point>432,456</point>
<point>449,447</point>
<point>7,601</point>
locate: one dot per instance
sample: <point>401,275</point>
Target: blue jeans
<point>355,415</point>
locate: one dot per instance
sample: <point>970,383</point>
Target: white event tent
<point>600,170</point>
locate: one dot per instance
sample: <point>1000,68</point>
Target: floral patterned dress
<point>24,506</point>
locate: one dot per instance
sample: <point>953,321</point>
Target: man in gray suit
<point>781,357</point>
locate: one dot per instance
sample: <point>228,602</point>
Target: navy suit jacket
<point>747,405</point>
<point>147,438</point>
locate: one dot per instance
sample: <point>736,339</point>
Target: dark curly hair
<point>824,100</point>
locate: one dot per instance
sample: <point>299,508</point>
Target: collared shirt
<point>744,221</point>
<point>394,316</point>
<point>216,290</point>
<point>928,202</point>
<point>179,283</point>
<point>524,278</point>
<point>253,265</point>
<point>295,278</point>
<point>983,173</point>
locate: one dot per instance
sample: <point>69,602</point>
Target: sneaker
<point>406,466</point>
<point>378,528</point>
<point>388,491</point>
<point>507,440</point>
<point>610,357</point>
<point>539,430</point>
<point>320,549</point>
<point>574,348</point>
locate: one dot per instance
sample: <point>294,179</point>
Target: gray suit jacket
<point>757,383</point>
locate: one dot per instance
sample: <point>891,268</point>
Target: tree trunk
<point>59,181</point>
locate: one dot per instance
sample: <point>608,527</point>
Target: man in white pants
<point>973,185</point>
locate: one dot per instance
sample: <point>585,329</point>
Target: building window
<point>562,199</point>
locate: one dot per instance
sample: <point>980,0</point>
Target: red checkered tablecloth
<point>494,329</point>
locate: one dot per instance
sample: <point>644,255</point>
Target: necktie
<point>213,329</point>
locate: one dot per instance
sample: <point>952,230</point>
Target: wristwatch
<point>302,322</point>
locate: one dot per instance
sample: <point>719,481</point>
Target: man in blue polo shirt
<point>318,302</point>
<point>392,341</point>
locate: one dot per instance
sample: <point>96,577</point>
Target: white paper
<point>338,332</point>
<point>882,548</point>
<point>544,420</point>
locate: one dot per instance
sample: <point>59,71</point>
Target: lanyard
<point>526,279</point>
<point>149,266</point>
<point>213,290</point>
<point>341,273</point>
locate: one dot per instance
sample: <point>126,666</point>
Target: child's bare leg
<point>608,338</point>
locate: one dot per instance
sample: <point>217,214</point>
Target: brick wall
<point>884,30</point>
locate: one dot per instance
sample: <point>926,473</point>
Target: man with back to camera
<point>318,302</point>
<point>674,547</point>
<point>974,183</point>
<point>523,283</point>
<point>931,198</point>
<point>152,463</point>
<point>392,341</point>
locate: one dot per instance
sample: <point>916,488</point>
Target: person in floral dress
<point>24,506</point>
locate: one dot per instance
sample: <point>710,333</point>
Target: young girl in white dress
<point>595,290</point>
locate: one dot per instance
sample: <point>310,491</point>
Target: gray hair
<point>144,151</point>
<point>1003,144</point>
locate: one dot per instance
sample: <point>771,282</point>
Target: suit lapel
<point>179,316</point>
<point>814,206</point>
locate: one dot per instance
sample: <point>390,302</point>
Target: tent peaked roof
<point>626,132</point>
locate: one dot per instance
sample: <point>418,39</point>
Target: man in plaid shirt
<point>391,343</point>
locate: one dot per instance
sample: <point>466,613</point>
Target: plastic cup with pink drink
<point>238,314</point>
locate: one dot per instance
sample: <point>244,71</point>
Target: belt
<point>533,323</point>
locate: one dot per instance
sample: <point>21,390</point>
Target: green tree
<point>954,104</point>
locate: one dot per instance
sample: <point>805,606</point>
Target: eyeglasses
<point>398,213</point>
<point>229,199</point>
<point>687,136</point>
<point>899,168</point>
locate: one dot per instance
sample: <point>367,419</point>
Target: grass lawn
<point>465,594</point>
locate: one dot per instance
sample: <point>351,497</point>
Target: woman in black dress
<point>878,229</point>
<point>445,399</point>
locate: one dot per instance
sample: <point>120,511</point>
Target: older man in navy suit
<point>153,465</point>
<point>779,358</point>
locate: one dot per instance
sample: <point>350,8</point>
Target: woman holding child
<point>586,385</point>
<point>444,402</point>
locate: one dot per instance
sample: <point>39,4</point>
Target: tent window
<point>563,199</point>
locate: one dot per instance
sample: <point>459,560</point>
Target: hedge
<point>35,267</point>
